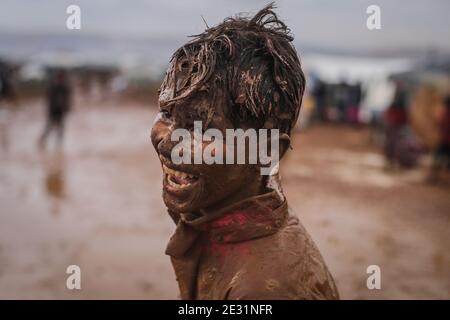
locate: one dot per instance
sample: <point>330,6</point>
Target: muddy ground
<point>98,205</point>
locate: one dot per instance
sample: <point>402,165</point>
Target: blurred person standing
<point>7,87</point>
<point>395,120</point>
<point>8,101</point>
<point>341,100</point>
<point>320,96</point>
<point>355,98</point>
<point>441,159</point>
<point>58,105</point>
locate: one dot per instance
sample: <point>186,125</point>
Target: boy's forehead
<point>169,97</point>
<point>166,95</point>
<point>173,81</point>
<point>190,98</point>
<point>182,94</point>
<point>196,103</point>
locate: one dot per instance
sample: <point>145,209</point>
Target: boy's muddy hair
<point>253,65</point>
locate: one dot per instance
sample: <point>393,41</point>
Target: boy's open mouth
<point>178,179</point>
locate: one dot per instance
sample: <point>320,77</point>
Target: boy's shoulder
<point>284,265</point>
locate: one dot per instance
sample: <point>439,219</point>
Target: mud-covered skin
<point>255,250</point>
<point>218,184</point>
<point>234,237</point>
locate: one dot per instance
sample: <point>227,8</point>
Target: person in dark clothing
<point>341,100</point>
<point>8,101</point>
<point>7,89</point>
<point>58,105</point>
<point>320,95</point>
<point>355,98</point>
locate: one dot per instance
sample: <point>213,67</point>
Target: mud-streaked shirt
<point>254,249</point>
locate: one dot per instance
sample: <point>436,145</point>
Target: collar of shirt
<point>250,218</point>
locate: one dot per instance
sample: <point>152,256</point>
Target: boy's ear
<point>285,144</point>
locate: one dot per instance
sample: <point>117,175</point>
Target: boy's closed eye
<point>165,114</point>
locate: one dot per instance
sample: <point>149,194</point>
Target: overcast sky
<point>329,23</point>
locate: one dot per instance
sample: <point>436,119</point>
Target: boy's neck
<point>247,191</point>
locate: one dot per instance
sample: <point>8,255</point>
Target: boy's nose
<point>160,131</point>
<point>165,146</point>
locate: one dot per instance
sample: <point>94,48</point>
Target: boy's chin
<point>179,206</point>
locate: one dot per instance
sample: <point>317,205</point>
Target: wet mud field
<point>97,204</point>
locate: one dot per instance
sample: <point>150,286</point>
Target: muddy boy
<point>235,237</point>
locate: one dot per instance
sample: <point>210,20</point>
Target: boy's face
<point>193,187</point>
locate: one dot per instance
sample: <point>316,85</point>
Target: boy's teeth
<point>181,175</point>
<point>177,173</point>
